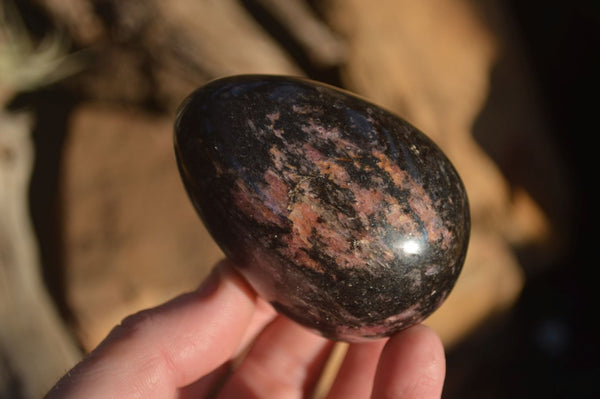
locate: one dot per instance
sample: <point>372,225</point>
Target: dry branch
<point>322,46</point>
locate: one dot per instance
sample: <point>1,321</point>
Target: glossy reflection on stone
<point>342,215</point>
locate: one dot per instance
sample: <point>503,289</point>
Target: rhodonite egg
<point>342,215</point>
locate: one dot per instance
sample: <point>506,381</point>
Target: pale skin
<point>185,347</point>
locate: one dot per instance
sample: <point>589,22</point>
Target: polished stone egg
<point>342,215</point>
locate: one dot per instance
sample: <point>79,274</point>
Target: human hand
<point>185,348</point>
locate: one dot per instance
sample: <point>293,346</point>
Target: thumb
<point>154,352</point>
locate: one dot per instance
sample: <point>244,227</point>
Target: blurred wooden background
<point>89,90</point>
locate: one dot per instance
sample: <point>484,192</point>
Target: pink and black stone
<point>345,217</point>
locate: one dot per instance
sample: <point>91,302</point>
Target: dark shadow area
<point>50,109</point>
<point>34,18</point>
<point>547,347</point>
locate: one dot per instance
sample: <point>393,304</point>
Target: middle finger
<point>284,362</point>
